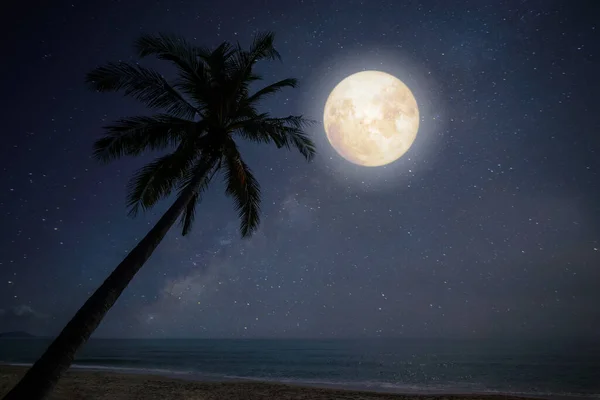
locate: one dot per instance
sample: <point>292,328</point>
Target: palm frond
<point>285,132</point>
<point>197,88</point>
<point>205,166</point>
<point>263,47</point>
<point>222,52</point>
<point>171,48</point>
<point>157,179</point>
<point>205,169</point>
<point>188,215</point>
<point>300,140</point>
<point>244,189</point>
<point>143,84</point>
<point>241,64</point>
<point>194,76</point>
<point>132,136</point>
<point>272,88</point>
<point>218,61</point>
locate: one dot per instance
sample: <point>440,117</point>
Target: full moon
<point>371,118</point>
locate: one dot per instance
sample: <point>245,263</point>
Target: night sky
<point>488,227</point>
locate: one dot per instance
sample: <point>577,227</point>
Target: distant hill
<point>17,334</point>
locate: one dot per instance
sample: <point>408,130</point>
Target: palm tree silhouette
<point>204,111</point>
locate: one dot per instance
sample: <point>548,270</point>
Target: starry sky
<point>489,226</point>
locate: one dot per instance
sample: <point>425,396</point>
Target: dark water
<point>557,368</point>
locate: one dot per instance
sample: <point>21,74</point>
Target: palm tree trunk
<point>41,378</point>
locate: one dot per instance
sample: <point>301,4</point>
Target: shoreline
<point>99,383</point>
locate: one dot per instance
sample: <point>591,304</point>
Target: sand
<point>80,385</point>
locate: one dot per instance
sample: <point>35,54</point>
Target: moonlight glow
<point>371,118</point>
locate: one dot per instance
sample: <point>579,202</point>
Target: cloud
<point>22,311</point>
<point>22,317</point>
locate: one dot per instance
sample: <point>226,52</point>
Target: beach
<point>102,385</point>
<point>216,368</point>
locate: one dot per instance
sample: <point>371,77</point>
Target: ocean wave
<point>114,368</point>
<point>371,386</point>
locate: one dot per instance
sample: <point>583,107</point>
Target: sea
<point>547,369</point>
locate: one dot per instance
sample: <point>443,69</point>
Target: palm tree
<point>204,111</point>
